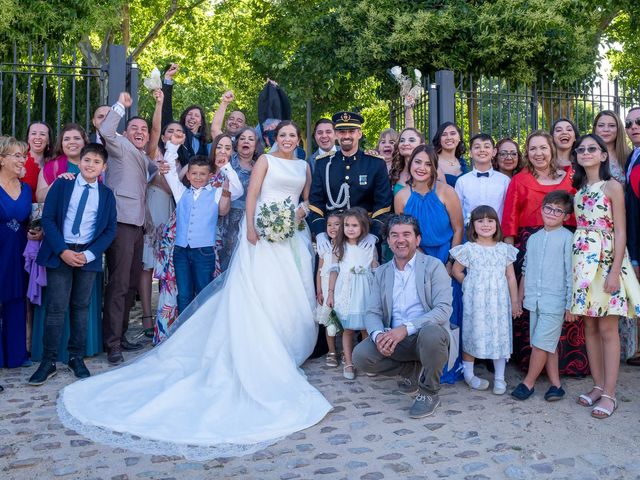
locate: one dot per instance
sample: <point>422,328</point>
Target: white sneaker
<point>499,387</point>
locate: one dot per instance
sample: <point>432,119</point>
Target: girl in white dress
<point>350,280</point>
<point>230,382</point>
<point>322,289</point>
<point>490,296</point>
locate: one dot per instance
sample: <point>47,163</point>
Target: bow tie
<point>482,174</point>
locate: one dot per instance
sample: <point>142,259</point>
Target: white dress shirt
<point>406,302</point>
<point>89,216</point>
<point>177,187</point>
<point>474,191</point>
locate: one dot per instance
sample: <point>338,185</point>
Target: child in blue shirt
<point>197,211</point>
<point>546,288</point>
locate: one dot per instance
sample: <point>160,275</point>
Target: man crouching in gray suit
<point>408,319</point>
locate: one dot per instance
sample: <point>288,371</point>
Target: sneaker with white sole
<point>424,405</point>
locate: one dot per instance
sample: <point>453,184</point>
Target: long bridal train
<point>227,382</point>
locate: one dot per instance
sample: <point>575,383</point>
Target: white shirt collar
<point>206,187</point>
<point>476,171</point>
<point>410,265</point>
<point>331,150</point>
<point>82,182</point>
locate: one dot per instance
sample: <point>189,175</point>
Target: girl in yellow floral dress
<point>604,284</point>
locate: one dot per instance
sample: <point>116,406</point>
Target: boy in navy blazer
<point>79,223</point>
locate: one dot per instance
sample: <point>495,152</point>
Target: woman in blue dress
<point>450,149</point>
<point>70,142</point>
<point>15,208</point>
<point>437,208</point>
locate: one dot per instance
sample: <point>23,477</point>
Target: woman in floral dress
<point>604,284</point>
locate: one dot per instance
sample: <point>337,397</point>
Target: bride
<point>227,382</point>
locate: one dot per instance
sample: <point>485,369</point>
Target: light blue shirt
<point>89,216</point>
<point>547,271</point>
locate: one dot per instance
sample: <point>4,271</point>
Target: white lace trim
<point>139,444</point>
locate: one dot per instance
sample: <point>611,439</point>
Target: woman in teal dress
<point>70,142</point>
<point>437,208</point>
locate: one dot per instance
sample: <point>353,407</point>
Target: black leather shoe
<point>634,361</point>
<point>77,366</point>
<point>115,357</point>
<point>45,371</point>
<point>128,346</point>
<point>1,388</point>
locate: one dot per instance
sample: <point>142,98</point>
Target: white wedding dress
<point>227,382</point>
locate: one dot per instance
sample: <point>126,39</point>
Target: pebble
<point>372,476</point>
<point>514,472</point>
<point>595,459</point>
<point>474,467</point>
<point>542,467</point>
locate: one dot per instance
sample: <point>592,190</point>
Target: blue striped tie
<point>75,229</point>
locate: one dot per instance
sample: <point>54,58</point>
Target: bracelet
<point>331,290</point>
<point>226,193</point>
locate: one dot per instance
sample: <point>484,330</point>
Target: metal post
<point>616,96</point>
<point>433,110</point>
<point>446,96</point>
<point>117,74</point>
<point>134,79</point>
<point>309,132</point>
<point>534,107</point>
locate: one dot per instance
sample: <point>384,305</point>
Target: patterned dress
<point>353,286</point>
<point>486,310</point>
<point>593,244</point>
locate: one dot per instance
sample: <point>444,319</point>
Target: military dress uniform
<point>341,182</point>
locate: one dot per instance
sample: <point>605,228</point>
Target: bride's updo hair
<point>361,215</point>
<point>286,123</point>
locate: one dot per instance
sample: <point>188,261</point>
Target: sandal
<point>586,401</point>
<point>349,372</point>
<point>600,412</point>
<point>331,360</point>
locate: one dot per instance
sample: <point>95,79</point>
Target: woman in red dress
<point>40,141</point>
<point>521,218</point>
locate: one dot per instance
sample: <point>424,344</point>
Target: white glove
<point>323,244</point>
<point>369,241</point>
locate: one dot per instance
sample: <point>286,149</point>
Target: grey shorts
<point>545,329</point>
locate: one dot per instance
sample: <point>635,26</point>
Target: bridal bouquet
<point>276,221</point>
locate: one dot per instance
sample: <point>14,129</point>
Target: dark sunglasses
<point>629,123</point>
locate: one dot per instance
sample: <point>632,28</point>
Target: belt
<point>76,247</point>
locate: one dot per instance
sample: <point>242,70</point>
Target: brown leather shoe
<point>634,361</point>
<point>115,357</point>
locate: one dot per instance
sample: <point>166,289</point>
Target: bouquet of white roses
<point>276,221</point>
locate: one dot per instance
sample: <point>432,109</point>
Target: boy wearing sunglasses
<point>545,290</point>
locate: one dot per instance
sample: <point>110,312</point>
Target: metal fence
<point>52,85</point>
<point>507,109</point>
<point>504,109</point>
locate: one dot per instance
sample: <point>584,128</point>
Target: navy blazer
<point>53,214</point>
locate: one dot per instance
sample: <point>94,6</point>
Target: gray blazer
<point>434,290</point>
<point>127,174</point>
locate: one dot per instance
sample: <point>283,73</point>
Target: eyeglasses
<point>590,149</point>
<point>556,212</point>
<point>629,123</point>
<point>505,154</point>
<point>16,156</point>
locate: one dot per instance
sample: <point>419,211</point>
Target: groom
<point>407,319</point>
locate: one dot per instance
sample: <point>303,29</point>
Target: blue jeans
<point>67,288</point>
<point>194,270</point>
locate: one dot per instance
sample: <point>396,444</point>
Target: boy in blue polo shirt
<point>197,211</point>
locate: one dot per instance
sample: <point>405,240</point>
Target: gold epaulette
<point>325,155</point>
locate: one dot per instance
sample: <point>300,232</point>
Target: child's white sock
<point>499,365</point>
<point>469,376</point>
